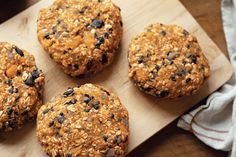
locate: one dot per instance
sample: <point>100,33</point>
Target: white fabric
<point>214,123</point>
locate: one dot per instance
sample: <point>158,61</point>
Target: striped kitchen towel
<point>214,122</point>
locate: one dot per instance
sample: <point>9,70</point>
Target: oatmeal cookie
<point>21,87</point>
<point>84,121</point>
<point>81,35</point>
<point>167,61</point>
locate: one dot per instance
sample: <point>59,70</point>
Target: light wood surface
<point>198,33</point>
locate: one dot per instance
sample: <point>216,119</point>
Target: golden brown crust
<point>84,121</point>
<point>167,61</point>
<point>81,35</point>
<point>21,87</point>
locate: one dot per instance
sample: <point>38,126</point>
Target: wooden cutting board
<point>148,115</point>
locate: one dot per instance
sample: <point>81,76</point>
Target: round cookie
<point>166,61</point>
<point>84,121</point>
<point>21,87</point>
<point>81,35</point>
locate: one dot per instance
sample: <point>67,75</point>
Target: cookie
<point>166,61</point>
<point>84,121</point>
<point>21,87</point>
<point>81,35</point>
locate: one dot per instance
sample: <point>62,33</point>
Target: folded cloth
<point>214,123</point>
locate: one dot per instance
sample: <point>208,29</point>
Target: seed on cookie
<point>166,61</point>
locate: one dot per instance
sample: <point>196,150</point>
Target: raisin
<point>173,78</point>
<point>104,58</point>
<point>105,138</point>
<point>54,29</point>
<point>76,66</point>
<point>69,92</point>
<point>11,123</point>
<point>121,23</point>
<point>97,23</point>
<point>117,139</point>
<point>86,110</point>
<point>157,67</point>
<point>83,10</point>
<point>29,81</point>
<point>188,46</point>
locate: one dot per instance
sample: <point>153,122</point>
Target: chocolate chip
<point>117,139</point>
<point>19,51</point>
<point>54,29</point>
<point>47,36</point>
<point>110,152</point>
<point>46,110</point>
<point>13,90</point>
<point>86,110</point>
<point>97,23</point>
<point>68,155</point>
<point>121,23</point>
<point>100,41</point>
<point>12,123</point>
<point>96,105</point>
<point>112,116</point>
<point>61,118</point>
<point>89,65</point>
<point>185,32</point>
<point>106,35</point>
<point>173,78</point>
<point>182,72</point>
<point>188,46</point>
<point>83,9</point>
<point>157,67</point>
<point>69,92</point>
<point>104,58</point>
<point>8,82</point>
<point>51,123</point>
<point>188,80</point>
<point>29,81</point>
<point>163,94</point>
<point>141,59</point>
<point>163,33</point>
<point>76,66</point>
<point>87,99</point>
<point>193,58</point>
<point>9,111</point>
<point>72,101</point>
<point>35,74</point>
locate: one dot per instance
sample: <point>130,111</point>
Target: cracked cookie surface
<point>21,87</point>
<point>84,121</point>
<point>81,35</point>
<point>166,61</point>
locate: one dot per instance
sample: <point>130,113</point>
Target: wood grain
<point>171,138</point>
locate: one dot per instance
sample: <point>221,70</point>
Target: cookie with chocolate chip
<point>166,61</point>
<point>21,87</point>
<point>84,121</point>
<point>81,35</point>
